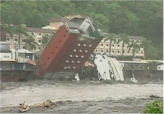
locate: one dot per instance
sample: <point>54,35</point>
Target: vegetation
<point>20,30</point>
<point>135,47</point>
<point>30,41</point>
<point>125,40</point>
<point>45,39</point>
<point>137,18</point>
<point>112,40</point>
<point>155,107</point>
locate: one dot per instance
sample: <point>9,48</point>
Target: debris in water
<point>25,107</point>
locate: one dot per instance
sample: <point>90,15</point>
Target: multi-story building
<point>37,34</point>
<point>116,48</point>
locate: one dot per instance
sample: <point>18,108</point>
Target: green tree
<point>111,38</point>
<point>125,40</point>
<point>155,107</point>
<point>20,30</point>
<point>45,39</point>
<point>134,46</point>
<point>146,44</point>
<point>8,29</point>
<point>30,41</point>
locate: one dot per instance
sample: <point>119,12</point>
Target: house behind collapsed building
<point>116,48</point>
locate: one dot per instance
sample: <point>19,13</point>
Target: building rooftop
<point>30,29</point>
<point>67,18</point>
<point>46,27</point>
<point>22,51</point>
<point>62,19</point>
<point>131,37</point>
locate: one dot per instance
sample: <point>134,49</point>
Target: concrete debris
<point>154,96</point>
<point>77,77</point>
<point>133,79</point>
<point>25,107</point>
<point>44,105</point>
<point>112,69</point>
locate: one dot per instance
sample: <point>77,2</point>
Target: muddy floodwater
<point>79,97</point>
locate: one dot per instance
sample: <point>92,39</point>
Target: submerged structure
<point>70,47</point>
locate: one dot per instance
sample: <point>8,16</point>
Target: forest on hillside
<point>138,18</point>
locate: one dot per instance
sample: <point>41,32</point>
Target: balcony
<point>38,36</point>
<point>39,43</point>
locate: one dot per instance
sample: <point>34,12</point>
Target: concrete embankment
<point>143,76</point>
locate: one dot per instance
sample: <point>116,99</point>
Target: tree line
<point>136,18</point>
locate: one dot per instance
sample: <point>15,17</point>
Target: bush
<point>155,107</point>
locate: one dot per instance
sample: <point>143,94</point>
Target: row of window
<point>112,45</point>
<point>117,51</point>
<point>24,47</point>
<point>118,39</point>
<point>40,34</point>
<point>23,40</point>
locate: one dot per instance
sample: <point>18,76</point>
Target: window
<point>8,39</point>
<point>101,44</point>
<point>96,50</point>
<point>39,41</point>
<point>113,45</point>
<point>6,56</point>
<point>15,39</point>
<point>24,47</point>
<point>101,50</point>
<point>113,51</point>
<point>118,51</point>
<point>107,45</point>
<point>32,33</point>
<point>118,45</point>
<point>23,40</point>
<point>40,34</point>
<point>39,48</point>
<point>107,51</point>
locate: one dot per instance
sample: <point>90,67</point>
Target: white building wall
<point>5,56</point>
<point>160,67</point>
